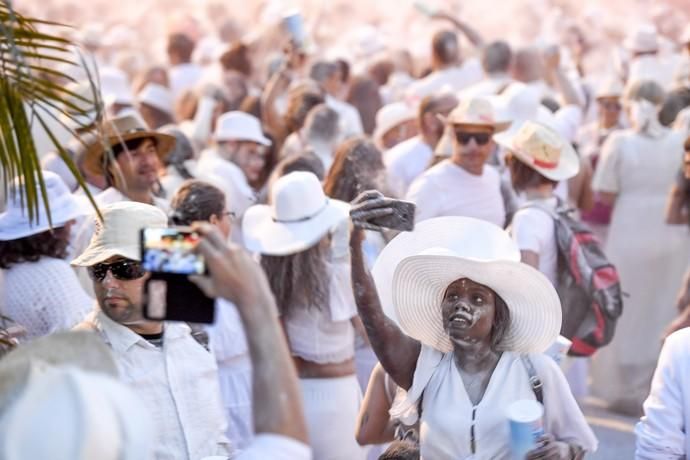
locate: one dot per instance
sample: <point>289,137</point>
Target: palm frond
<point>32,90</point>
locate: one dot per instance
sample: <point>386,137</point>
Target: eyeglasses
<point>125,270</point>
<point>464,137</point>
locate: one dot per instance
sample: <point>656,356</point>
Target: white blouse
<point>449,417</point>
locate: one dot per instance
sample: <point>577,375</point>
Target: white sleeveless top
<point>326,335</point>
<point>449,418</point>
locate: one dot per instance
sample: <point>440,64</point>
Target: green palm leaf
<point>31,79</point>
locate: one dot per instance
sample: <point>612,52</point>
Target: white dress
<point>44,296</point>
<point>651,258</point>
<point>447,412</point>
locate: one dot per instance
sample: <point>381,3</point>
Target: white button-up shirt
<point>662,433</point>
<point>178,383</point>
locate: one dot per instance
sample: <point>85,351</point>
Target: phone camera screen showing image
<point>171,250</point>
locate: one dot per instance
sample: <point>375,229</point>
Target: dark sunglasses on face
<point>464,137</point>
<point>125,270</point>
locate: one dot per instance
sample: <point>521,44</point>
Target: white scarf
<point>644,118</point>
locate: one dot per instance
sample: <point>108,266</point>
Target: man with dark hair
<point>183,73</point>
<point>329,77</point>
<point>407,160</point>
<point>496,60</point>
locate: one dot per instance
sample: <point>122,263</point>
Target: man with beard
<point>174,376</point>
<point>464,185</point>
<point>407,160</point>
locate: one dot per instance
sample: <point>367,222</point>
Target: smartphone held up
<point>168,254</point>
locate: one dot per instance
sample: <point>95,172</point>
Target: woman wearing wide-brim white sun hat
<point>42,291</point>
<point>309,274</point>
<point>461,312</point>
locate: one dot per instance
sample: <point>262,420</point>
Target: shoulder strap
<point>534,380</point>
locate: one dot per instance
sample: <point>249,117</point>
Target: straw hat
<point>157,96</point>
<point>643,40</point>
<point>543,150</point>
<point>118,234</point>
<point>122,129</point>
<point>240,126</point>
<point>299,215</point>
<point>391,115</point>
<point>414,270</point>
<point>15,222</point>
<point>60,398</point>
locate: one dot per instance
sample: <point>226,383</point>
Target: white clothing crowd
<point>335,331</point>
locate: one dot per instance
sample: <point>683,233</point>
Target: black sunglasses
<point>464,137</point>
<point>125,270</point>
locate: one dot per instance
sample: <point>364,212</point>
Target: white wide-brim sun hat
<point>16,223</point>
<point>414,270</point>
<point>299,216</point>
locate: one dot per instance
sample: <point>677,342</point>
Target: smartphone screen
<point>171,250</point>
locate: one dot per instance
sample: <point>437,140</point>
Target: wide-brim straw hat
<point>414,270</point>
<point>542,149</point>
<point>476,111</point>
<point>119,130</point>
<point>299,216</point>
<point>16,222</point>
<point>118,233</point>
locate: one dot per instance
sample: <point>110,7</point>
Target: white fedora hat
<point>15,222</point>
<point>391,115</point>
<point>414,270</point>
<point>118,233</point>
<point>157,96</point>
<point>115,87</point>
<point>643,40</point>
<point>542,149</point>
<point>240,126</point>
<point>299,215</point>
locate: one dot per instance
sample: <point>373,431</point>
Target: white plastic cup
<point>559,349</point>
<point>525,418</point>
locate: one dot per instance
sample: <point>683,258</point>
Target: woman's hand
<point>549,449</point>
<point>234,275</point>
<point>367,206</point>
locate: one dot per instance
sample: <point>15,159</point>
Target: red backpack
<point>588,284</point>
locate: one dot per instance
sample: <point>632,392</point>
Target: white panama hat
<point>157,96</point>
<point>391,115</point>
<point>64,206</point>
<point>299,215</point>
<point>115,87</point>
<point>118,234</point>
<point>643,40</point>
<point>414,270</point>
<point>542,149</point>
<point>240,126</point>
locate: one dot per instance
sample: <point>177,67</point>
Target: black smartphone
<point>168,255</point>
<point>402,218</point>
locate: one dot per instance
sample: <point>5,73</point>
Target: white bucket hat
<point>240,126</point>
<point>64,206</point>
<point>414,270</point>
<point>60,398</point>
<point>158,97</point>
<point>391,115</point>
<point>299,215</point>
<point>643,40</point>
<point>542,149</point>
<point>118,233</point>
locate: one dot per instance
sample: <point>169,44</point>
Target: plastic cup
<point>525,418</point>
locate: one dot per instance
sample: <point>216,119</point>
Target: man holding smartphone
<point>174,375</point>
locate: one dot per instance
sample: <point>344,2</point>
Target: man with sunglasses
<point>175,377</point>
<point>464,185</point>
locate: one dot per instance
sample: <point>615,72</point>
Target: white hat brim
<point>259,139</point>
<point>97,254</point>
<point>568,163</point>
<point>14,226</point>
<point>264,235</point>
<point>420,282</point>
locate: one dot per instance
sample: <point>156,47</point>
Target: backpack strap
<point>534,380</point>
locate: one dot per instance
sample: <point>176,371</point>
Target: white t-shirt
<point>405,162</point>
<point>455,78</point>
<point>449,190</point>
<point>534,230</point>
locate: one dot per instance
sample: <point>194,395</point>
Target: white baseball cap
<point>240,126</point>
